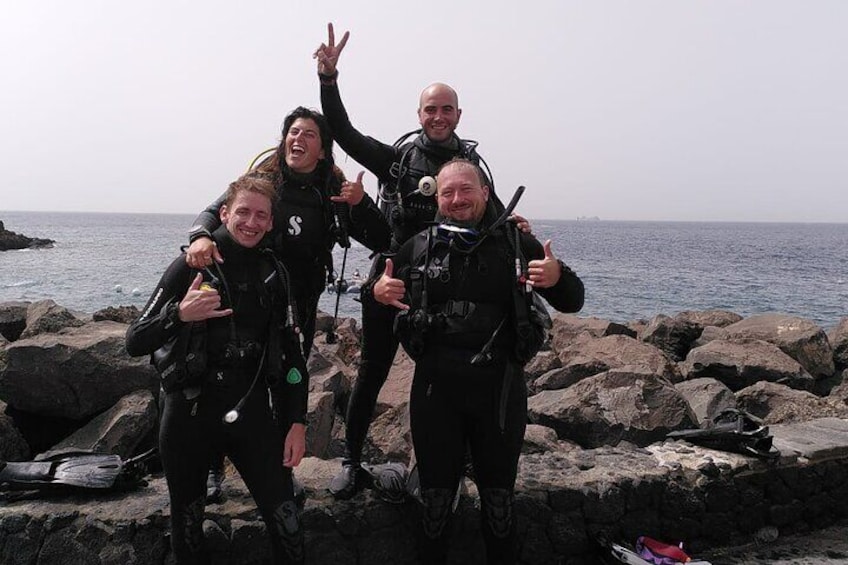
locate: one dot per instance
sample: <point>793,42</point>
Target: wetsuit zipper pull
<point>429,390</point>
<point>194,409</point>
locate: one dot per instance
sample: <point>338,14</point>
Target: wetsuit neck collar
<point>233,251</point>
<point>446,149</point>
<point>293,178</point>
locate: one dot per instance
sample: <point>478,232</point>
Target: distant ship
<point>588,219</point>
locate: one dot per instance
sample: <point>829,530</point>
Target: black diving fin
<point>733,430</point>
<point>77,469</point>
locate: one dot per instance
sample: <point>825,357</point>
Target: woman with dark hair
<point>315,209</point>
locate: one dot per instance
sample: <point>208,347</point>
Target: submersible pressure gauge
<point>427,186</point>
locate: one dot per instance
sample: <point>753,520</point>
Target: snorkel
<point>466,240</point>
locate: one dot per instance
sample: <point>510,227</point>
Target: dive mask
<point>457,238</point>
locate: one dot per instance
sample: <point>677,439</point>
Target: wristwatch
<point>172,316</point>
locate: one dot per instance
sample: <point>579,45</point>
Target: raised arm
<point>372,154</point>
<point>328,53</point>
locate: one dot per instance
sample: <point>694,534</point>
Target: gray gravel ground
<point>822,547</point>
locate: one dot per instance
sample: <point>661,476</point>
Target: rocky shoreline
<point>10,240</point>
<point>596,460</point>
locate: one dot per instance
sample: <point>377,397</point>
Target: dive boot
<point>388,480</point>
<point>350,480</point>
<point>214,485</point>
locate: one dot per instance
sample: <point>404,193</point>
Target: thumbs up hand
<point>544,273</point>
<point>201,303</point>
<point>388,290</point>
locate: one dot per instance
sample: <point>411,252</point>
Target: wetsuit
<point>233,349</point>
<point>456,404</point>
<point>305,231</point>
<point>398,169</point>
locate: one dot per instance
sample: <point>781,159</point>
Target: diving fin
<point>73,469</point>
<point>733,430</point>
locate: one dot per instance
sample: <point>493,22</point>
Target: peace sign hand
<point>327,54</point>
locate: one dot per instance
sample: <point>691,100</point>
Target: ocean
<point>632,270</point>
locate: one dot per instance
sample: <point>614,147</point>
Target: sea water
<point>632,270</point>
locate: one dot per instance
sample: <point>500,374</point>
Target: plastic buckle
<point>458,308</point>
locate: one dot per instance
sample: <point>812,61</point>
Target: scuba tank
<point>406,198</point>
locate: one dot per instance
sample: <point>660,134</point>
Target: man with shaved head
<point>406,173</point>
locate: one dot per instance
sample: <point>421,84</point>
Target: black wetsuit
<point>415,159</point>
<point>456,405</point>
<point>191,426</point>
<point>305,231</point>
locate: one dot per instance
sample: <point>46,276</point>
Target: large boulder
<point>623,404</point>
<point>345,340</point>
<point>538,439</point>
<point>779,404</point>
<point>615,351</point>
<point>704,318</point>
<point>738,364</point>
<point>541,363</point>
<point>45,316</point>
<point>123,314</point>
<point>707,397</point>
<point>319,419</point>
<point>799,338</point>
<point>13,317</point>
<point>391,435</point>
<point>120,430</point>
<point>567,328</point>
<point>839,393</point>
<point>838,338</point>
<point>74,374</point>
<point>395,391</point>
<point>327,375</point>
<point>672,336</point>
<point>13,446</point>
<point>562,377</point>
<point>709,333</point>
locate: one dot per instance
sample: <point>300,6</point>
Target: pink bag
<point>660,553</point>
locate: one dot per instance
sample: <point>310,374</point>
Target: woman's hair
<point>320,121</point>
<point>275,163</point>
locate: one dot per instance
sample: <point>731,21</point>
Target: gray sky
<point>650,110</point>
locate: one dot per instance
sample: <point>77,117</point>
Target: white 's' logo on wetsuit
<point>294,225</point>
